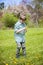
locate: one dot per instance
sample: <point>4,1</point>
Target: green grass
<point>34,48</point>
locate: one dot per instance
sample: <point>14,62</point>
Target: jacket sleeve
<point>16,27</point>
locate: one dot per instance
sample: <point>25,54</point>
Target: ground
<point>34,48</point>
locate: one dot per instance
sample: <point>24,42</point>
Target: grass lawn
<point>34,48</point>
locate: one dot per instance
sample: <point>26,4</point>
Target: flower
<point>10,57</point>
<point>15,62</point>
<point>6,64</point>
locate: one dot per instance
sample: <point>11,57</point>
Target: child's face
<point>23,19</point>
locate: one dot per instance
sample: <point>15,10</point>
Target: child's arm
<point>20,30</point>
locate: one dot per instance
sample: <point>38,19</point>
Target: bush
<point>28,22</point>
<point>9,20</point>
<point>40,23</point>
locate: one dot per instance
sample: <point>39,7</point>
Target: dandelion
<point>10,57</point>
<point>6,64</point>
<point>15,62</point>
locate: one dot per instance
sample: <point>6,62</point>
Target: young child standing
<point>20,29</point>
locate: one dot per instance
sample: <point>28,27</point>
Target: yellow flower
<point>9,57</point>
<point>6,64</point>
<point>15,62</point>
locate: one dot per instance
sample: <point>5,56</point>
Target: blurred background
<point>11,9</point>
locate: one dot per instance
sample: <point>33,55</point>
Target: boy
<point>20,29</point>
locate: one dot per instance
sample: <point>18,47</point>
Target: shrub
<point>40,23</point>
<point>9,20</point>
<point>28,22</point>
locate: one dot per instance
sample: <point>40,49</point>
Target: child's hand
<point>21,30</point>
<point>24,28</point>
